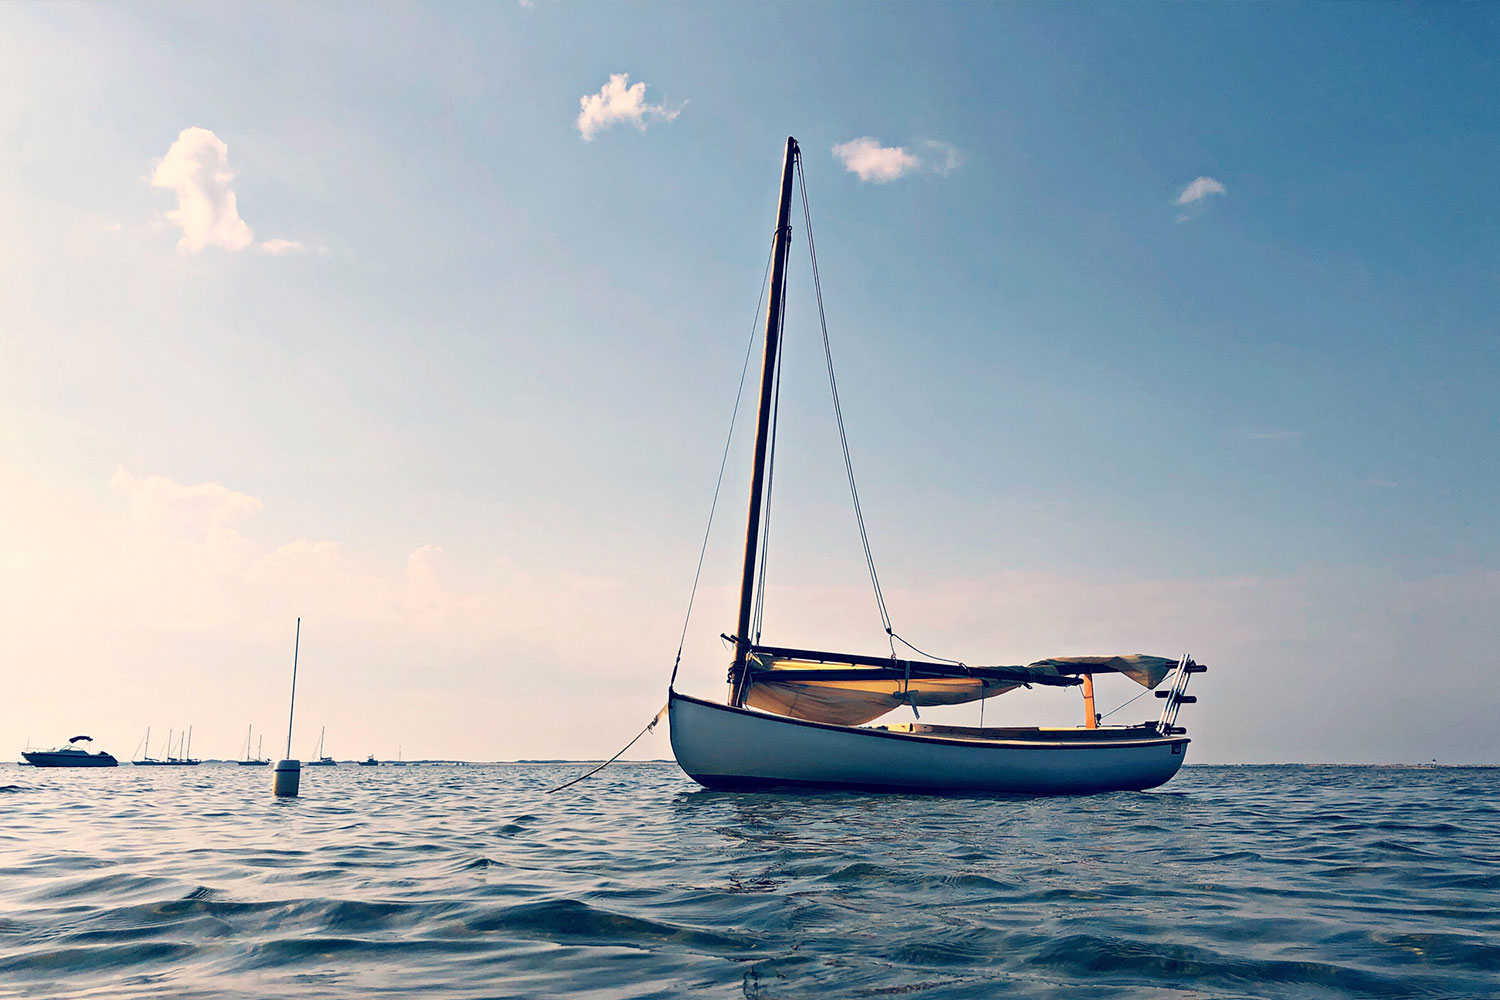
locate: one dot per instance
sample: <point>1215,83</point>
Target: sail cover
<point>852,702</point>
<point>1147,671</point>
<point>847,690</point>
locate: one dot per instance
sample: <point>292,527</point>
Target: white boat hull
<point>736,748</point>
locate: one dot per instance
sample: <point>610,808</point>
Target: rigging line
<point>765,535</point>
<point>1136,698</point>
<point>885,618</point>
<point>649,726</point>
<point>723,462</point>
<point>923,652</point>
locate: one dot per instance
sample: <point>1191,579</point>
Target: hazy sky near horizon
<point>1159,328</point>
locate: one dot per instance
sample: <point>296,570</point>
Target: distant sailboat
<point>398,762</point>
<point>798,717</point>
<point>146,758</point>
<point>258,760</point>
<point>185,744</point>
<point>319,760</point>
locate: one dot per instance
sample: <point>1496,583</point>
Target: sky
<point>1159,328</point>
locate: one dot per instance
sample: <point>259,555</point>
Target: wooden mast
<point>774,305</point>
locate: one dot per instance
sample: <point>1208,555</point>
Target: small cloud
<point>943,157</point>
<point>620,101</point>
<point>278,247</point>
<point>866,158</point>
<point>196,167</point>
<point>158,498</point>
<point>1194,197</point>
<point>1198,190</point>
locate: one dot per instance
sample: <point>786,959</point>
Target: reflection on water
<point>470,882</point>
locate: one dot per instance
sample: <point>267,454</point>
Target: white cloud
<point>157,499</point>
<point>943,158</point>
<point>870,161</point>
<point>197,168</point>
<point>1198,190</point>
<point>620,101</point>
<point>873,162</point>
<point>278,247</point>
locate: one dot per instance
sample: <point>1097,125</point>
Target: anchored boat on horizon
<point>259,760</point>
<point>319,760</point>
<point>184,746</point>
<point>71,755</point>
<point>798,717</point>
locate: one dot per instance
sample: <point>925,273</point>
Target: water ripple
<point>441,882</point>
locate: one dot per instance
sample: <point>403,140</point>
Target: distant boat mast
<point>296,645</point>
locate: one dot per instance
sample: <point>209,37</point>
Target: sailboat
<point>259,760</point>
<point>799,717</point>
<point>184,746</point>
<point>146,758</point>
<point>318,759</point>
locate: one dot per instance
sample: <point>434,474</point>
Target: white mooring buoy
<point>287,778</point>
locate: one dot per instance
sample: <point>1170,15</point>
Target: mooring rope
<point>649,726</point>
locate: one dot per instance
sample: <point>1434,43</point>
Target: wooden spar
<point>774,306</point>
<point>1090,720</point>
<point>861,667</point>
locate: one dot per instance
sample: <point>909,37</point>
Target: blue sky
<point>467,425</point>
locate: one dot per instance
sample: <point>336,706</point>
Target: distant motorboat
<point>259,760</point>
<point>320,760</point>
<point>71,755</point>
<point>369,761</point>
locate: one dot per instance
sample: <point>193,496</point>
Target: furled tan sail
<point>850,703</point>
<point>792,687</point>
<point>1147,671</point>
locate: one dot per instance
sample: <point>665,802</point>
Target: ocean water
<point>468,881</point>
